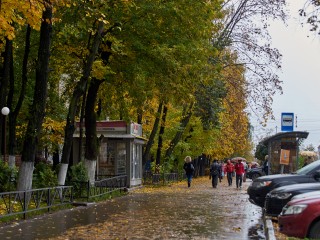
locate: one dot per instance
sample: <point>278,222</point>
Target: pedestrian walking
<point>189,169</point>
<point>229,168</point>
<point>239,169</point>
<point>215,173</point>
<point>221,171</point>
<point>245,165</point>
<point>266,165</point>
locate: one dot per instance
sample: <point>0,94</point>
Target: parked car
<point>279,197</point>
<point>313,194</point>
<point>261,186</point>
<point>301,218</point>
<point>254,173</point>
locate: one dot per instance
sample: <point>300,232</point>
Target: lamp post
<point>5,111</point>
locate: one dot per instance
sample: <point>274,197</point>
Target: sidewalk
<point>171,212</point>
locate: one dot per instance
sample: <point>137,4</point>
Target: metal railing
<point>85,190</point>
<point>23,202</point>
<point>151,178</point>
<point>108,185</point>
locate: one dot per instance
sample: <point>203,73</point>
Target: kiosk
<point>120,150</point>
<point>276,144</point>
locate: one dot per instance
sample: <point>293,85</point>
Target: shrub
<point>44,176</point>
<point>7,177</point>
<point>79,179</point>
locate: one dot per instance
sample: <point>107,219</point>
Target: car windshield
<point>309,168</point>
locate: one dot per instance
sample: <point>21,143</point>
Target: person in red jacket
<point>229,169</point>
<point>239,168</point>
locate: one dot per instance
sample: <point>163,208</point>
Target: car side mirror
<point>316,175</point>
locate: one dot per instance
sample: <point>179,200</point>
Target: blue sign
<point>287,121</point>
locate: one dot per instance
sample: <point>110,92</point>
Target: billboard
<point>287,121</point>
<point>285,157</point>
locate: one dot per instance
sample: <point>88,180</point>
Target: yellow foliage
<point>100,70</point>
<point>19,12</point>
<point>233,137</point>
<point>52,132</point>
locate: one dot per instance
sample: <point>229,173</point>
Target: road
<point>170,212</point>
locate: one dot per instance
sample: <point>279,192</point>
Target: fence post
<point>88,191</point>
<point>71,198</point>
<point>48,200</point>
<point>24,205</point>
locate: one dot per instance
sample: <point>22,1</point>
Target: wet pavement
<point>170,212</point>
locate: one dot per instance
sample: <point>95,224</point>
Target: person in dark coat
<point>189,169</point>
<point>215,171</point>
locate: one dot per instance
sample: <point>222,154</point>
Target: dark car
<point>261,186</point>
<point>254,173</point>
<point>279,197</point>
<point>301,218</point>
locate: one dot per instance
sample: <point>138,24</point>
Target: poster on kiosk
<point>287,122</point>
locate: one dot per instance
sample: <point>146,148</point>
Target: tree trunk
<point>183,124</point>
<point>14,113</point>
<point>81,124</point>
<point>4,87</point>
<point>91,153</point>
<point>90,165</point>
<point>62,173</point>
<point>77,93</point>
<point>146,154</point>
<point>161,132</point>
<point>139,112</point>
<point>37,110</point>
<point>25,175</point>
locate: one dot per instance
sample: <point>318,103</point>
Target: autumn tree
<point>309,13</point>
<point>79,90</point>
<point>233,137</point>
<point>39,102</point>
<point>178,55</point>
<point>245,32</point>
<point>160,53</point>
<point>25,14</point>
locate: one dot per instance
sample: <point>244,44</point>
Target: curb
<point>268,228</point>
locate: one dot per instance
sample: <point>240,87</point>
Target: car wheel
<point>254,176</point>
<point>315,231</point>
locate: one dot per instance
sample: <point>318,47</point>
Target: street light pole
<point>5,111</point>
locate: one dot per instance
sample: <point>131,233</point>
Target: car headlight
<point>293,209</point>
<point>280,195</point>
<point>259,184</point>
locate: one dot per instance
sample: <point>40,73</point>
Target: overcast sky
<point>300,75</point>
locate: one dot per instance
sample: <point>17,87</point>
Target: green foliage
<point>209,103</point>
<point>44,176</point>
<point>79,179</point>
<point>7,175</point>
<point>261,151</point>
<point>166,167</point>
<point>300,161</point>
<point>79,173</point>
